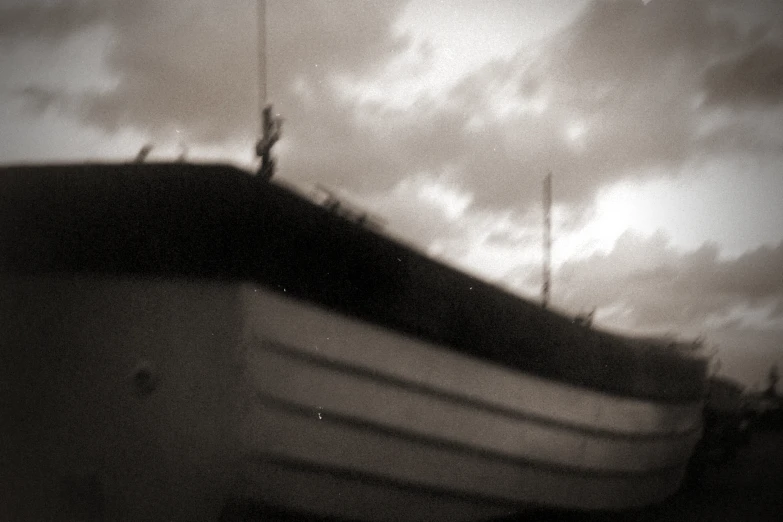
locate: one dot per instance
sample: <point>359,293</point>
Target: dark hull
<point>180,338</point>
<point>215,222</point>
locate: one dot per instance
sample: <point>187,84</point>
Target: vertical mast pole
<point>546,270</point>
<point>261,51</point>
<point>270,125</point>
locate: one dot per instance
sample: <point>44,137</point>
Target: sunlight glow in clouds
<point>449,200</point>
<point>618,209</point>
<point>466,35</point>
<point>505,105</point>
<point>451,40</point>
<point>576,129</point>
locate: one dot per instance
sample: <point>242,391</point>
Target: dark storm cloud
<point>658,287</point>
<point>40,99</point>
<point>625,41</point>
<point>316,39</point>
<point>628,72</point>
<point>192,66</point>
<point>197,64</point>
<point>50,21</point>
<point>755,77</point>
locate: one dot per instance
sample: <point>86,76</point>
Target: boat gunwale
<point>350,290</point>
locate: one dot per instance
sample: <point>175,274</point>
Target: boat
<point>179,338</point>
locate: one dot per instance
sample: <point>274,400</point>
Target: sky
<point>661,122</point>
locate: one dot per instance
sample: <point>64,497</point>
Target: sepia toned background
<point>660,121</point>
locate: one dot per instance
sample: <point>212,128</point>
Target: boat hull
<point>250,394</point>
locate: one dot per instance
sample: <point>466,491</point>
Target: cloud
<point>614,95</point>
<point>50,21</point>
<point>647,284</point>
<point>611,96</point>
<point>194,66</point>
<point>316,39</point>
<point>626,75</point>
<point>754,77</point>
<point>40,99</point>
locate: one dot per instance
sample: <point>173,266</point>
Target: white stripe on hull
<point>329,391</point>
<point>331,335</point>
<point>342,395</point>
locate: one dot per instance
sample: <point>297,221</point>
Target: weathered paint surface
<point>73,410</point>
